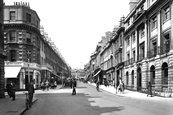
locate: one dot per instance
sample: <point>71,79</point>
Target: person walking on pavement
<point>8,87</point>
<point>31,91</point>
<point>74,86</point>
<point>97,85</point>
<point>12,91</point>
<point>47,85</point>
<point>149,87</point>
<point>120,87</point>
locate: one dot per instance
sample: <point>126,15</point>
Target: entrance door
<point>117,82</point>
<point>139,79</point>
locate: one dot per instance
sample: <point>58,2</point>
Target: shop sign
<point>13,63</point>
<point>31,65</point>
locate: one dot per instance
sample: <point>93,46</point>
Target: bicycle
<point>27,100</point>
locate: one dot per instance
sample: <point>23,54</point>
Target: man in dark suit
<point>74,86</point>
<point>12,91</point>
<point>31,91</point>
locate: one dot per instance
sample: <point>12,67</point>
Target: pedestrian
<point>149,87</point>
<point>123,87</point>
<point>47,85</point>
<point>97,85</point>
<point>31,91</point>
<point>74,86</point>
<point>8,87</point>
<point>120,87</point>
<point>12,91</point>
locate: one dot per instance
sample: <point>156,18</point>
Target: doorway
<point>139,79</point>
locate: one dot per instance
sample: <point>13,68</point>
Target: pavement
<point>131,94</point>
<point>17,107</point>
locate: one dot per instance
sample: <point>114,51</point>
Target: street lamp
<point>28,53</point>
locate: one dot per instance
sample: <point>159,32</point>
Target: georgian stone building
<point>146,52</point>
<point>21,45</point>
<point>31,55</point>
<point>148,41</point>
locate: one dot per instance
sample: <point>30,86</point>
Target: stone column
<point>144,70</point>
<point>158,76</point>
<point>135,77</point>
<point>171,27</point>
<point>170,74</point>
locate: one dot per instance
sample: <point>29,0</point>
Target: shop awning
<point>97,73</point>
<point>12,72</point>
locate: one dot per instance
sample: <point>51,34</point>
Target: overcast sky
<point>76,26</point>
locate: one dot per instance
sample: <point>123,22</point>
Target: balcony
<point>132,60</point>
<point>152,53</point>
<point>163,49</point>
<point>127,62</point>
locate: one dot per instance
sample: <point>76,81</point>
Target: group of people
<point>46,85</point>
<point>11,89</point>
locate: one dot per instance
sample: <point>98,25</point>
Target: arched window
<point>152,75</point>
<point>127,78</point>
<point>165,74</point>
<point>132,77</point>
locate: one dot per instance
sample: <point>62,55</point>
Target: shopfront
<point>21,73</point>
<point>48,74</point>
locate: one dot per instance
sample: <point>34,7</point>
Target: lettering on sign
<point>13,63</point>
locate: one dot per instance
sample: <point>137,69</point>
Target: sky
<point>76,26</point>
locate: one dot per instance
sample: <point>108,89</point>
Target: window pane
<point>12,15</point>
<point>12,36</point>
<point>28,17</point>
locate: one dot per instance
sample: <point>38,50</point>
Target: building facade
<point>31,55</point>
<point>142,47</point>
<point>148,39</point>
<point>2,56</point>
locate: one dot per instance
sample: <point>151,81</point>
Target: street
<point>90,102</point>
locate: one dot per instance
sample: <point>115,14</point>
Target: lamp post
<point>62,78</point>
<point>28,66</point>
